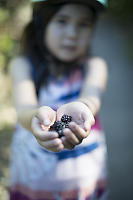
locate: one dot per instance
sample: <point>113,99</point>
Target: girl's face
<point>68,34</point>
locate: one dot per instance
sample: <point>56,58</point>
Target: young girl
<point>55,74</point>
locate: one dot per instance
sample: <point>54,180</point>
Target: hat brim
<point>94,4</point>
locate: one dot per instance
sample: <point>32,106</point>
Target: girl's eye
<point>61,21</point>
<point>85,25</point>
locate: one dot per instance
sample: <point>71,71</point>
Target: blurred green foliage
<point>6,50</point>
<point>123,9</point>
<point>4,15</point>
<point>8,42</point>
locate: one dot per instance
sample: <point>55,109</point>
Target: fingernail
<point>46,122</point>
<point>87,127</point>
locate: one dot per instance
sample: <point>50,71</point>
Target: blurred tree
<point>123,8</point>
<point>9,32</point>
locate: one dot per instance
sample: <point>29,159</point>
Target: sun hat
<point>98,5</point>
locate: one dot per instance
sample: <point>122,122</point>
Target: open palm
<point>79,128</point>
<point>80,113</point>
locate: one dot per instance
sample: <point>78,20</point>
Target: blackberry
<point>66,119</point>
<point>58,126</point>
<point>66,126</point>
<point>60,133</point>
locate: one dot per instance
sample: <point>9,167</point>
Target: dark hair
<point>33,46</point>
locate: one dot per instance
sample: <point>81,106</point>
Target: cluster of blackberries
<point>58,126</point>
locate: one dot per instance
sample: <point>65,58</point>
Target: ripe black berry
<point>66,119</point>
<point>58,126</point>
<point>66,126</point>
<point>60,133</point>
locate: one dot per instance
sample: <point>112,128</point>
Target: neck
<point>59,68</point>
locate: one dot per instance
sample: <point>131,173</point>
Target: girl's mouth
<point>70,48</point>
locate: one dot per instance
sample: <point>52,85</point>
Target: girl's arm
<point>95,84</point>
<point>33,118</point>
<point>24,96</point>
<point>86,107</point>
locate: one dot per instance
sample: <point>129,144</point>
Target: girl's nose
<point>71,32</point>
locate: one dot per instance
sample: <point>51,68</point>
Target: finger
<point>71,137</point>
<point>44,119</point>
<point>67,144</point>
<point>39,133</point>
<point>78,131</point>
<point>53,145</point>
<point>46,115</point>
<point>88,121</point>
<point>55,149</point>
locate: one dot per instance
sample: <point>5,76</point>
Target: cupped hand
<point>79,128</point>
<point>41,122</point>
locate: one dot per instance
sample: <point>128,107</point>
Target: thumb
<point>88,121</point>
<point>87,126</point>
<point>43,118</point>
<point>46,122</point>
<point>46,115</point>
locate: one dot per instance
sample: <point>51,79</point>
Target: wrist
<point>92,103</point>
<point>25,117</point>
